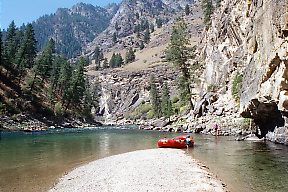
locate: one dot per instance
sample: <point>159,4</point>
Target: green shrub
<point>58,110</point>
<point>236,86</point>
<point>140,112</point>
<point>212,88</point>
<point>150,114</point>
<point>2,108</point>
<point>174,99</point>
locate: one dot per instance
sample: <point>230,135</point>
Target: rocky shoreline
<point>24,120</point>
<point>209,110</point>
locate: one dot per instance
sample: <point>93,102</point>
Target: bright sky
<point>26,11</point>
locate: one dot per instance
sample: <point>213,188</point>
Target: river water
<point>34,161</point>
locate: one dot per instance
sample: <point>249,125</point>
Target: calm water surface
<point>244,165</point>
<point>34,161</point>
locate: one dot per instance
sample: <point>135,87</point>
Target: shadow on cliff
<point>267,124</point>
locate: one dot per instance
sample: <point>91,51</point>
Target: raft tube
<point>177,142</point>
<point>171,143</point>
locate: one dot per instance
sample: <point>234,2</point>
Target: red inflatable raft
<point>177,142</point>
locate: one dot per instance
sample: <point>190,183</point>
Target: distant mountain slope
<point>77,28</point>
<point>73,28</point>
<point>130,14</point>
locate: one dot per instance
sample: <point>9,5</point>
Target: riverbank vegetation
<point>42,82</point>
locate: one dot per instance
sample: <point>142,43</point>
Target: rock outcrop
<point>249,39</point>
<point>122,91</point>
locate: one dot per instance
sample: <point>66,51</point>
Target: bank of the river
<point>24,120</point>
<point>144,170</point>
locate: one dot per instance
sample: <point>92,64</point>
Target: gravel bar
<point>160,169</point>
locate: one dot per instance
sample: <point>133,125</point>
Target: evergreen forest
<point>71,30</point>
<point>42,81</point>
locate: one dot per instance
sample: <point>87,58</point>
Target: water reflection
<point>246,166</point>
<point>33,161</point>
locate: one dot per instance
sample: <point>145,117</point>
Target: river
<point>34,161</point>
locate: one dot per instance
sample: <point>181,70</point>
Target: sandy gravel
<point>144,170</point>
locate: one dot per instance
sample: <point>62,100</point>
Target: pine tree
<point>10,48</point>
<point>64,79</point>
<point>155,98</point>
<point>137,15</point>
<point>29,46</point>
<point>77,89</point>
<point>147,36</point>
<point>208,9</point>
<point>130,56</point>
<point>179,53</point>
<point>116,27</point>
<point>165,101</point>
<point>146,25</point>
<point>118,60</point>
<point>112,62</point>
<point>96,93</point>
<point>159,22</point>
<point>98,56</point>
<point>218,3</point>
<point>142,45</point>
<point>1,53</point>
<point>114,38</point>
<point>187,10</point>
<point>55,72</point>
<point>87,103</point>
<point>152,28</point>
<point>142,25</point>
<point>44,63</point>
<point>45,60</point>
<point>105,63</point>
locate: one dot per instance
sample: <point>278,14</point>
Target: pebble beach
<point>161,169</point>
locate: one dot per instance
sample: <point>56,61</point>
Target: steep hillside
<point>245,57</point>
<point>130,14</point>
<point>73,28</point>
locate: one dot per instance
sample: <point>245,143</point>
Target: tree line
<point>45,73</point>
<point>160,101</point>
<point>115,61</point>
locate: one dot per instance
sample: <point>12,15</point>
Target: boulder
<point>174,118</point>
<point>279,135</point>
<point>198,129</point>
<point>160,123</point>
<point>219,112</point>
<point>68,125</point>
<point>283,101</point>
<point>210,108</point>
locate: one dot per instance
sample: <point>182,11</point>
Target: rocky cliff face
<point>122,91</point>
<point>248,39</point>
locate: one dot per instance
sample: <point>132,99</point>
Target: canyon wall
<point>248,39</point>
